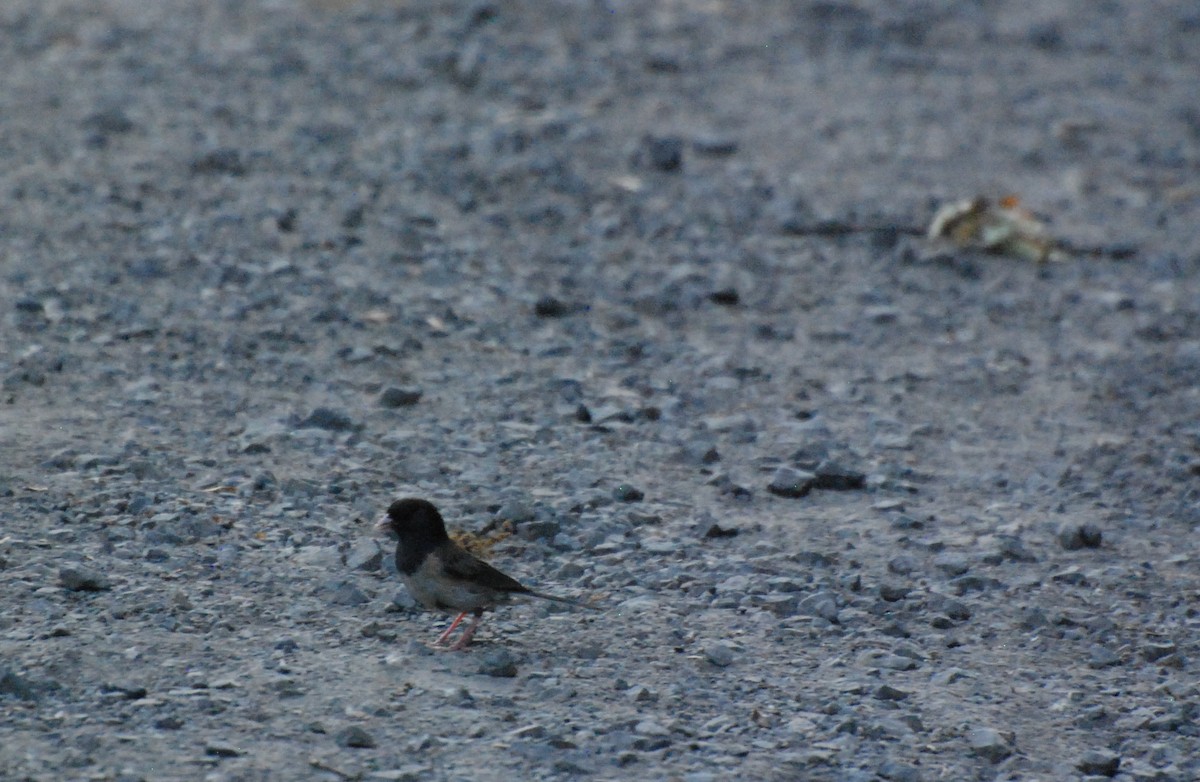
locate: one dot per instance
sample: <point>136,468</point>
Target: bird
<point>443,576</point>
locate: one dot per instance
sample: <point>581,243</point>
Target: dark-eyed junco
<point>443,576</point>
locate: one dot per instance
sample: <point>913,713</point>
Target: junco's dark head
<point>415,521</point>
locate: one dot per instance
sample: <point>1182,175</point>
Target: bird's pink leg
<point>441,639</point>
<point>462,642</point>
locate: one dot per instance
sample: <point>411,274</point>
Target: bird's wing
<point>460,564</point>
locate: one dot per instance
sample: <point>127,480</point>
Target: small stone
<point>663,153</point>
<point>399,397</point>
<point>899,772</point>
<point>1073,537</point>
<point>886,692</point>
<point>550,307</point>
<point>778,604</point>
<point>1100,762</point>
<point>1102,657</point>
<point>1014,548</point>
<point>83,580</point>
<point>220,161</point>
<point>626,493</point>
<point>345,593</point>
<point>650,728</point>
<point>820,604</point>
<point>973,583</point>
<point>726,297</point>
<point>498,663</point>
<point>989,744</point>
<point>169,723</point>
<point>893,593</point>
<point>319,556</point>
<point>365,555</point>
<point>1156,651</point>
<point>515,511</point>
<point>17,686</point>
<point>354,737</point>
<point>719,654</point>
<point>904,521</point>
<point>951,608</point>
<point>897,662</point>
<point>328,419</point>
<point>221,750</point>
<point>951,564</point>
<point>902,564</point>
<point>129,692</point>
<point>715,530</point>
<point>833,476</point>
<point>790,482</point>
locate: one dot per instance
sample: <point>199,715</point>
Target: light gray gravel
<point>640,292</point>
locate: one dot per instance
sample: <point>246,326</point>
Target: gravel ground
<point>642,284</point>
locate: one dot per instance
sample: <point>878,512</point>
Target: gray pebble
<point>1099,761</point>
<point>364,554</point>
<point>1156,651</point>
<point>498,663</point>
<point>1013,548</point>
<point>354,737</point>
<point>626,493</point>
<point>399,397</point>
<point>951,564</point>
<point>899,772</point>
<point>1076,536</point>
<point>820,604</point>
<point>1102,657</point>
<point>328,419</point>
<point>778,604</point>
<point>515,511</point>
<point>790,482</point>
<point>221,750</point>
<point>893,593</point>
<point>83,580</point>
<point>17,686</point>
<point>833,476</point>
<point>662,153</point>
<point>886,692</point>
<point>344,593</point>
<point>904,521</point>
<point>989,744</point>
<point>896,662</point>
<point>719,654</point>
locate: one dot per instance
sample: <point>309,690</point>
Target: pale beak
<point>383,525</point>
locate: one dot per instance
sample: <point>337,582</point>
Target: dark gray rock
<point>662,153</point>
<point>14,686</point>
<point>1073,537</point>
<point>627,493</point>
<point>328,419</point>
<point>394,397</point>
<point>354,737</point>
<point>81,579</point>
<point>1100,762</point>
<point>835,477</point>
<point>499,663</point>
